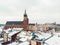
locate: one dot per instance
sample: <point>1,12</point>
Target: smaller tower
<point>25,21</point>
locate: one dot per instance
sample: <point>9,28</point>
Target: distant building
<point>20,24</point>
<point>49,26</point>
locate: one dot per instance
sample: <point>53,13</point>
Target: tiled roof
<point>14,22</point>
<point>31,24</point>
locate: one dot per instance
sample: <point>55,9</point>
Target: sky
<point>40,11</point>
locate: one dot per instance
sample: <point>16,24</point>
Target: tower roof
<point>25,14</point>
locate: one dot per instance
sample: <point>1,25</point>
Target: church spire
<point>25,11</point>
<point>25,14</point>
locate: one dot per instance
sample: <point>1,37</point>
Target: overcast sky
<point>40,11</point>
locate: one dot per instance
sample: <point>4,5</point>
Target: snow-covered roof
<point>9,29</point>
<point>43,35</point>
<point>24,43</point>
<point>0,29</point>
<point>18,28</point>
<point>22,34</point>
<point>12,33</point>
<point>46,35</point>
<point>23,39</point>
<point>55,40</point>
<point>1,39</point>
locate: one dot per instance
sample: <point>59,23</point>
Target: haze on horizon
<point>40,11</point>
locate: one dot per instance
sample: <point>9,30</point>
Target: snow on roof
<point>9,29</point>
<point>39,36</point>
<point>18,28</point>
<point>22,34</point>
<point>26,38</point>
<point>12,33</point>
<point>0,29</point>
<point>46,35</point>
<point>55,40</point>
<point>23,39</point>
<point>43,35</point>
<point>24,43</point>
<point>14,43</point>
<point>1,39</point>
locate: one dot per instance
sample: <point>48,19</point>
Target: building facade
<point>20,24</point>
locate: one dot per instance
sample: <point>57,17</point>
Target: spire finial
<point>25,11</point>
<point>25,14</point>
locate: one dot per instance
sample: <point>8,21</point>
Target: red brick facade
<point>21,24</point>
<point>24,25</point>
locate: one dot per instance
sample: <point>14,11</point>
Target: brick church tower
<point>18,24</point>
<point>25,21</point>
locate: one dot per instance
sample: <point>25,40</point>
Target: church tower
<point>25,21</point>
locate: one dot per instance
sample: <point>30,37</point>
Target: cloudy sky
<point>40,11</point>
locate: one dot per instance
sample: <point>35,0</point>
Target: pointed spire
<point>25,11</point>
<point>25,14</point>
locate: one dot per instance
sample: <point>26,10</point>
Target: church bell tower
<point>25,21</point>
